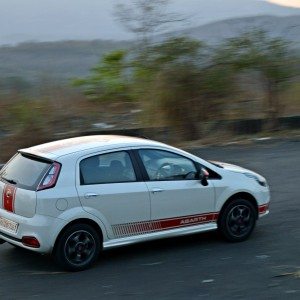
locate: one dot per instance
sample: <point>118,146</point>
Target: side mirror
<point>204,175</point>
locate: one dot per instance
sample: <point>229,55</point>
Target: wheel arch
<point>90,222</point>
<point>240,195</point>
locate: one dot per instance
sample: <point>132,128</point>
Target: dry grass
<point>57,114</point>
<point>62,112</point>
<point>291,99</point>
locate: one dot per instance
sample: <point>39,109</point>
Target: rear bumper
<point>43,228</point>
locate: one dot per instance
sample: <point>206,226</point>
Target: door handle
<point>157,190</point>
<point>90,195</point>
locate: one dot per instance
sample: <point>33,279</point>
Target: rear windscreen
<point>24,171</point>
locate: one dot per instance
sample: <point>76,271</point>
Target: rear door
<point>18,183</point>
<point>110,186</point>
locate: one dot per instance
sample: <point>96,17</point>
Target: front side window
<point>164,165</point>
<point>107,168</point>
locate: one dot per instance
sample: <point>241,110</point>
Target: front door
<point>178,199</point>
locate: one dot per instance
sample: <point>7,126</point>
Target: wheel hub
<point>79,247</point>
<point>239,220</point>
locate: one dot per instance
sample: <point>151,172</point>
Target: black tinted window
<point>25,171</point>
<point>107,168</point>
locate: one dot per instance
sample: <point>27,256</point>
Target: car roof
<point>53,150</point>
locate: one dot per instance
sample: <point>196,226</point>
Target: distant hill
<point>68,59</point>
<point>214,33</point>
<point>53,60</point>
<point>56,20</point>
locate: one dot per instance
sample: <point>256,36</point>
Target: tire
<point>77,248</point>
<point>237,221</point>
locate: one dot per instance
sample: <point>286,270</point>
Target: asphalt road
<point>267,266</point>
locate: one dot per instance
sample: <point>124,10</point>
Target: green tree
<point>108,80</point>
<point>145,19</point>
<point>269,56</point>
<point>167,82</point>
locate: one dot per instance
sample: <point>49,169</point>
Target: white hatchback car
<point>74,197</point>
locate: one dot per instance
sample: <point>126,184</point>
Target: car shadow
<point>26,261</point>
<point>159,247</point>
<point>23,260</point>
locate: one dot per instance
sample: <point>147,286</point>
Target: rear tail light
<point>50,179</point>
<point>30,241</point>
<point>8,197</point>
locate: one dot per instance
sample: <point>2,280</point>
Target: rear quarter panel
<point>62,201</point>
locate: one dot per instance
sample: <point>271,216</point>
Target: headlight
<point>261,181</point>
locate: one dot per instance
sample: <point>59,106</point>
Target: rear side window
<point>25,171</point>
<point>107,168</point>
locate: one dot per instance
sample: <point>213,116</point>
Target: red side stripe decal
<point>8,197</point>
<point>122,230</point>
<point>190,220</point>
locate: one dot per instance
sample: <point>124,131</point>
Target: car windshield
<point>24,171</point>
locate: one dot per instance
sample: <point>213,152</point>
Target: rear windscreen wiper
<point>10,180</point>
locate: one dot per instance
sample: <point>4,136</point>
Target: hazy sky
<point>291,3</point>
<point>50,20</point>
